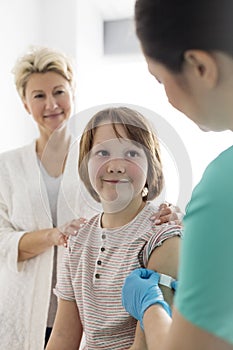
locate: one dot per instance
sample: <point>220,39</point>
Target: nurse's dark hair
<point>139,130</point>
<point>168,28</point>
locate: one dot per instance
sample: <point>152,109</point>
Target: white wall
<point>18,28</point>
<point>24,23</point>
<point>58,24</point>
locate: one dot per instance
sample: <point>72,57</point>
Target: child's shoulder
<point>87,228</point>
<point>94,220</point>
<point>147,212</point>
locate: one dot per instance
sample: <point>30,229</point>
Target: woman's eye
<point>39,96</point>
<point>59,92</point>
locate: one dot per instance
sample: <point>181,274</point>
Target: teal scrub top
<point>205,292</point>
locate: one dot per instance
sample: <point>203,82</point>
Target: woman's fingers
<point>72,228</point>
<point>168,214</point>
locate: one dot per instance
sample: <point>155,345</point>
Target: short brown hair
<point>137,129</point>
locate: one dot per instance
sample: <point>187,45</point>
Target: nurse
<point>188,46</point>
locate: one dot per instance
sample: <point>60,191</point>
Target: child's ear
<point>204,65</point>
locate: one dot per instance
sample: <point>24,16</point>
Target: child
<point>120,166</point>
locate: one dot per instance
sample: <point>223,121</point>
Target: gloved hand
<point>140,291</point>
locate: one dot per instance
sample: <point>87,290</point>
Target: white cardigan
<point>24,206</point>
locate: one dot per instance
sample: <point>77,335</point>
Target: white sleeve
<point>9,240</point>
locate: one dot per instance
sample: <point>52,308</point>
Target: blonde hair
<point>138,130</point>
<point>42,60</point>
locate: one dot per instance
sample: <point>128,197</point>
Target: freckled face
<point>48,97</point>
<point>117,167</point>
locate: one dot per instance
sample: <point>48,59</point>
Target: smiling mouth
<point>117,181</point>
<point>53,115</point>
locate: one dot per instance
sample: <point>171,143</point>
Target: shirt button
<point>103,236</point>
<point>99,262</point>
<point>102,249</point>
<point>97,275</point>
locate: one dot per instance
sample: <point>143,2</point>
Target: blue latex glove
<point>140,291</point>
<point>174,285</point>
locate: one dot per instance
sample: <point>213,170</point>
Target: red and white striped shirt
<point>94,269</point>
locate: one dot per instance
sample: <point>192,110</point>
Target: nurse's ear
<point>204,65</point>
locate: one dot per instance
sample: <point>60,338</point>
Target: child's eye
<point>132,154</point>
<point>102,153</point>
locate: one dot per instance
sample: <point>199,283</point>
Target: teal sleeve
<point>205,292</point>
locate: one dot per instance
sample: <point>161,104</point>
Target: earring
<point>144,191</point>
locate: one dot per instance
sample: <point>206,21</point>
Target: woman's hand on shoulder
<point>168,213</point>
<point>61,234</point>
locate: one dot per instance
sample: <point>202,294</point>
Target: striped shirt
<point>94,269</point>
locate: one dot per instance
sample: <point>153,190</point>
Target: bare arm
<point>165,259</point>
<point>34,243</point>
<point>67,330</point>
<point>139,340</point>
<point>179,334</point>
<point>156,325</point>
